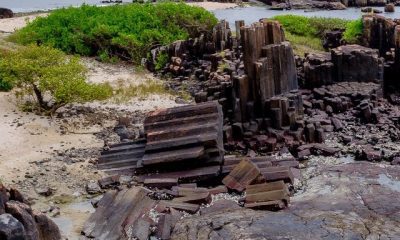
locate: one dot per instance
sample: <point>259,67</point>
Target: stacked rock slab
<point>184,134</point>
<point>185,142</point>
<point>181,144</point>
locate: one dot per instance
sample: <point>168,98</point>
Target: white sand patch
<point>210,6</point>
<point>11,24</point>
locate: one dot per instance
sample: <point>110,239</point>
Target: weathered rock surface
<point>331,207</point>
<point>19,221</point>
<point>11,228</point>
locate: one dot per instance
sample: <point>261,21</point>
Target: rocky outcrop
<point>330,207</point>
<point>19,221</point>
<point>6,13</point>
<point>354,63</point>
<point>378,33</point>
<point>348,63</point>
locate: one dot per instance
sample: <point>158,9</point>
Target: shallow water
<point>73,217</point>
<point>391,183</point>
<point>37,5</point>
<point>255,13</point>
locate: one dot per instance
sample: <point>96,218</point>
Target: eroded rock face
<point>346,201</point>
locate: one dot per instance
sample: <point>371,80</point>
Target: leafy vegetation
<point>354,29</point>
<point>161,61</point>
<point>306,32</point>
<point>125,31</point>
<point>49,77</point>
<point>304,44</point>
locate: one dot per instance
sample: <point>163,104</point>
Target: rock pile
<point>19,221</point>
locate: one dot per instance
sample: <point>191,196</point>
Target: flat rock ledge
<point>347,201</point>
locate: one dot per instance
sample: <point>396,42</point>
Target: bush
<point>127,31</point>
<point>310,26</point>
<point>161,61</point>
<point>50,77</point>
<point>306,32</point>
<point>354,30</point>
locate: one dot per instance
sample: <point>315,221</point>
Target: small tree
<point>51,77</point>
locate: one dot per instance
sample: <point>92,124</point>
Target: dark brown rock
<point>6,13</point>
<point>48,230</point>
<point>389,7</point>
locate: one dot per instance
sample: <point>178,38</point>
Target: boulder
<point>389,7</point>
<point>23,213</point>
<point>370,10</point>
<point>48,230</point>
<point>11,228</point>
<point>6,13</point>
<point>332,39</point>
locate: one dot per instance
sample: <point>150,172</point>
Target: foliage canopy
<point>306,32</point>
<point>50,77</point>
<point>125,31</point>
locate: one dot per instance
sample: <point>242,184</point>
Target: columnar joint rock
<point>348,63</point>
<point>269,68</point>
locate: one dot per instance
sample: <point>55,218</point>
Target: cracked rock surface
<point>355,200</point>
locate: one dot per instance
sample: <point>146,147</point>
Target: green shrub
<point>50,77</point>
<point>161,61</point>
<point>297,25</point>
<point>126,31</point>
<point>354,30</point>
<point>310,26</point>
<point>5,86</point>
<point>305,33</point>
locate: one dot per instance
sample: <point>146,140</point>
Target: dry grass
<point>304,44</point>
<point>150,87</point>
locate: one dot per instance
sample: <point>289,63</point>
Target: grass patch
<point>149,87</point>
<point>306,33</point>
<point>354,29</point>
<point>126,31</point>
<point>304,44</point>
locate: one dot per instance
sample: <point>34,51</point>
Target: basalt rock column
<point>357,63</point>
<point>268,63</point>
<point>222,36</point>
<point>378,32</point>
